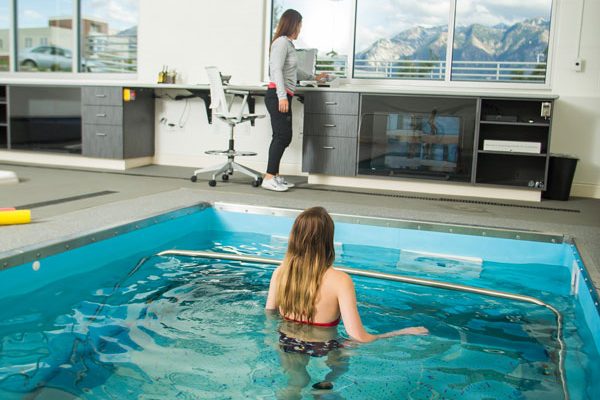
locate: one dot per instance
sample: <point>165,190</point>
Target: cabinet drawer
<point>329,155</point>
<point>101,95</point>
<point>331,103</point>
<point>103,141</point>
<point>104,115</point>
<point>330,125</point>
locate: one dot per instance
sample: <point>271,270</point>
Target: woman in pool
<point>313,298</point>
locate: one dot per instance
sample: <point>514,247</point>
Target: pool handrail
<point>404,279</point>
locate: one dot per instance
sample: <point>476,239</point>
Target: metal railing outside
<point>111,53</point>
<point>500,71</point>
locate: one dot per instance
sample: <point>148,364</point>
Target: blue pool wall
<point>485,247</point>
<point>179,233</point>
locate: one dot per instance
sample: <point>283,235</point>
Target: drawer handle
<point>331,103</point>
<point>101,115</point>
<point>328,147</point>
<point>328,125</point>
<point>101,95</point>
<point>100,134</point>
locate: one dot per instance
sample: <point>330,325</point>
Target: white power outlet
<point>577,65</point>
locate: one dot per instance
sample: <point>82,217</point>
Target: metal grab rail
<point>404,279</point>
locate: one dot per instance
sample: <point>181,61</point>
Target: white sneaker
<point>273,184</point>
<point>281,180</point>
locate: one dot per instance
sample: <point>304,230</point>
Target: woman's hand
<point>322,77</point>
<point>413,330</point>
<point>284,105</point>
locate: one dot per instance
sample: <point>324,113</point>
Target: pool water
<point>190,328</point>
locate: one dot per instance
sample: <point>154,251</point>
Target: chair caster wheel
<point>212,183</point>
<point>257,182</point>
<point>225,177</point>
<point>194,178</point>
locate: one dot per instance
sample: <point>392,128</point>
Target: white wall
<point>576,125</point>
<point>191,34</point>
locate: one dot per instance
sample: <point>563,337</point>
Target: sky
<point>328,23</point>
<point>3,14</point>
<point>121,14</point>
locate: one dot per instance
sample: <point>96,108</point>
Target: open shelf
<point>510,169</point>
<point>483,122</point>
<point>518,121</point>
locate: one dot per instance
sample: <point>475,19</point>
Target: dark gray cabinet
<point>330,133</point>
<point>472,139</point>
<point>4,117</point>
<point>114,128</point>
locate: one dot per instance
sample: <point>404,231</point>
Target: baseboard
<point>415,186</point>
<point>71,160</point>
<point>585,190</point>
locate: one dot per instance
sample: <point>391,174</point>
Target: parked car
<point>54,58</point>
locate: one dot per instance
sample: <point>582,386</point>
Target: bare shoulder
<point>339,278</point>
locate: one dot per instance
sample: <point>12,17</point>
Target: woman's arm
<point>351,318</point>
<point>279,52</point>
<point>271,303</point>
<point>349,310</point>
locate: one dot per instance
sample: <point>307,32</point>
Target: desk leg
<point>206,98</point>
<point>251,107</point>
<point>204,95</point>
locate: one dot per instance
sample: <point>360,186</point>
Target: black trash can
<point>560,177</point>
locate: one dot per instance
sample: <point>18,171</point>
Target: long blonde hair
<point>310,253</point>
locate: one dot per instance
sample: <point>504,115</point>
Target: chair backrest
<point>218,100</point>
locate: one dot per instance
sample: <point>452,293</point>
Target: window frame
<point>75,72</point>
<point>447,82</point>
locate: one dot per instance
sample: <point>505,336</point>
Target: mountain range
<point>522,41</point>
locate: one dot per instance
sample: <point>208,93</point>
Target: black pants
<point>281,123</point>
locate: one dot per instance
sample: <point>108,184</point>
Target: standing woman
<point>284,74</point>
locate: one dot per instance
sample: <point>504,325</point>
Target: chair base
<point>227,169</point>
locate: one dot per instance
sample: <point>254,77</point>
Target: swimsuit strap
<point>322,324</point>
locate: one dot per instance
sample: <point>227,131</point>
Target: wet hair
<point>310,253</point>
<point>288,24</point>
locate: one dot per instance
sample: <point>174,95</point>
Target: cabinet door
<point>102,141</point>
<point>103,115</point>
<point>329,155</point>
<point>330,125</point>
<point>102,95</point>
<point>331,103</point>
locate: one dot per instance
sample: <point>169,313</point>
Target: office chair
<point>222,110</point>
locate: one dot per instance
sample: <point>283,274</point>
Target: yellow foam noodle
<point>15,217</point>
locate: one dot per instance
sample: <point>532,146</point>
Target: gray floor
<point>67,201</point>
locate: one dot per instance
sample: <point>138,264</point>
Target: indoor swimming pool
<point>105,316</point>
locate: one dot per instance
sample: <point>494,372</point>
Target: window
<point>44,41</point>
<point>4,30</point>
<point>501,41</point>
<point>109,35</point>
<point>434,40</point>
<point>403,39</point>
<point>326,26</point>
<point>50,19</point>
